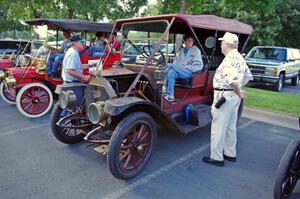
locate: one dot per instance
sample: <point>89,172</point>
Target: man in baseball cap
<point>232,74</point>
<point>72,67</point>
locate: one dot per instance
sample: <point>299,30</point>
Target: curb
<point>272,118</point>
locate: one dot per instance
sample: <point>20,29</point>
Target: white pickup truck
<point>271,64</point>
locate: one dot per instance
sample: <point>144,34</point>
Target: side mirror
<point>244,54</point>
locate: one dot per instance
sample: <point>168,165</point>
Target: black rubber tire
<point>115,142</point>
<point>283,167</point>
<point>57,131</point>
<point>295,80</point>
<point>280,83</point>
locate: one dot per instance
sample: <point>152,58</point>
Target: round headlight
<point>96,112</point>
<point>67,99</point>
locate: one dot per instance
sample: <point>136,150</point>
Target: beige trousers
<point>223,126</point>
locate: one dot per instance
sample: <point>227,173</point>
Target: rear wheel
<point>279,84</point>
<point>7,96</point>
<point>65,135</point>
<point>131,145</point>
<point>34,100</point>
<point>295,80</point>
<point>288,171</point>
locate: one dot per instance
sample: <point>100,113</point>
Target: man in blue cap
<point>72,67</point>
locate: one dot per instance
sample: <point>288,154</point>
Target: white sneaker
<point>169,98</point>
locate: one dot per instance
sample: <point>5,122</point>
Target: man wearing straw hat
<point>231,75</point>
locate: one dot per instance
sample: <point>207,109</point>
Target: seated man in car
<point>97,49</point>
<point>188,61</point>
<point>114,45</point>
<point>56,58</point>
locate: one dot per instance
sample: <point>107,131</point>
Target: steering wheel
<point>146,53</point>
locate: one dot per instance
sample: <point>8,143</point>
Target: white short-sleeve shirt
<point>71,61</point>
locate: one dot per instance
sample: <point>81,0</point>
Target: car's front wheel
<point>6,95</point>
<point>131,145</point>
<point>295,80</point>
<point>288,171</point>
<point>279,84</point>
<point>65,135</point>
<point>34,100</point>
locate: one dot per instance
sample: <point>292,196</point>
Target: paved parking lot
<point>35,165</point>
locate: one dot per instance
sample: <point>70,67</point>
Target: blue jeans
<point>173,72</point>
<point>58,60</point>
<point>50,61</point>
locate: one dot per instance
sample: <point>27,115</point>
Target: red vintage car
<point>121,108</point>
<point>30,88</point>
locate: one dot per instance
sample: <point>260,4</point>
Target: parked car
<point>12,51</point>
<point>131,51</point>
<point>163,51</point>
<point>288,171</point>
<point>119,110</point>
<point>274,65</point>
<point>30,87</point>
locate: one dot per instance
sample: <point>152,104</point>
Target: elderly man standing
<point>187,61</point>
<point>231,75</point>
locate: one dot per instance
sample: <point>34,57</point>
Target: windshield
<point>140,39</point>
<point>268,53</point>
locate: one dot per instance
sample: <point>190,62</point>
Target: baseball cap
<point>77,38</point>
<point>230,38</point>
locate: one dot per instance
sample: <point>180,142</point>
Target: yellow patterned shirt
<point>232,69</point>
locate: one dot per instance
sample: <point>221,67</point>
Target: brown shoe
<point>217,163</point>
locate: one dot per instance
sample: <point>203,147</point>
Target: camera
<point>220,102</point>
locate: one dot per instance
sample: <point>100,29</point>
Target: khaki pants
<point>223,126</point>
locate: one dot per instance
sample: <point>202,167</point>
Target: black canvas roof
<point>71,25</point>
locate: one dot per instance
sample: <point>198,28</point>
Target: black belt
<point>223,89</point>
<point>72,81</point>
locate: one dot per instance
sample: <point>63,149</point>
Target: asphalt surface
<point>288,88</point>
<point>34,165</point>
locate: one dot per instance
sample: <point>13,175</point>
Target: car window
<point>278,54</point>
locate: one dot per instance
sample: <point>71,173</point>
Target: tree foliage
<point>275,22</point>
<point>12,12</point>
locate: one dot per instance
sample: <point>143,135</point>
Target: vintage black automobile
<point>119,110</point>
<point>288,171</point>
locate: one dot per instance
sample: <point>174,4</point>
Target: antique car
<point>288,171</point>
<point>274,65</point>
<point>118,111</point>
<point>11,52</point>
<point>30,88</point>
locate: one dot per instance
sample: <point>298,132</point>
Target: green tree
<point>275,22</point>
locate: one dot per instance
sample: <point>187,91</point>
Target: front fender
<point>68,86</point>
<point>121,107</point>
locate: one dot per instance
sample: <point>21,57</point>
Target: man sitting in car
<point>187,62</point>
<point>97,49</point>
<point>56,58</point>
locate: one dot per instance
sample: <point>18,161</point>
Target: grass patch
<point>273,101</point>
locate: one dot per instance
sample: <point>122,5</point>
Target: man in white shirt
<point>231,75</point>
<point>72,67</point>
